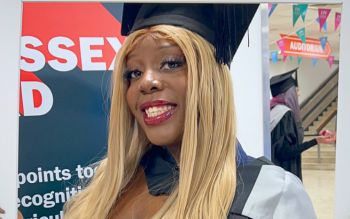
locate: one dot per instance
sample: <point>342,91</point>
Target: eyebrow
<point>163,46</point>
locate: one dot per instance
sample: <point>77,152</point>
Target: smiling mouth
<point>157,112</point>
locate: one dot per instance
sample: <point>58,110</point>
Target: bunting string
<point>307,46</point>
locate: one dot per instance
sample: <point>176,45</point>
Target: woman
<point>287,134</point>
<point>172,150</point>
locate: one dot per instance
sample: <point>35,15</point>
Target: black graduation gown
<point>286,151</point>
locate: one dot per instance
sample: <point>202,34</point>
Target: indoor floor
<point>319,176</point>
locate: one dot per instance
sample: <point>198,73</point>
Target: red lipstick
<point>162,114</point>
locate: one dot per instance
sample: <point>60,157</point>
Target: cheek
<point>182,85</point>
<point>131,99</point>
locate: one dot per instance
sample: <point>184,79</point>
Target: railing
<point>319,100</point>
<point>317,103</point>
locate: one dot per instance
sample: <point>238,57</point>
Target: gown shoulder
<point>268,191</point>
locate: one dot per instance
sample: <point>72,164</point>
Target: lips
<point>158,111</point>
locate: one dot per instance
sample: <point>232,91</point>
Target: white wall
<point>342,175</point>
<point>309,77</point>
<point>250,78</point>
<point>10,23</point>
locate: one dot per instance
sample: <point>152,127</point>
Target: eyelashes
<point>168,64</point>
<point>131,74</point>
<point>172,63</point>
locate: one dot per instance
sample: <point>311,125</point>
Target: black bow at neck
<point>161,170</point>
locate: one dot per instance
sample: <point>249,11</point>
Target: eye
<point>132,74</point>
<point>172,63</point>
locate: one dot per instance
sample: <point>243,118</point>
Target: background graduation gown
<point>286,149</point>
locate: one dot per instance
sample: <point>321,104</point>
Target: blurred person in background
<point>287,133</point>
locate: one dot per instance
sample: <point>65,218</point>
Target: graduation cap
<point>281,83</point>
<point>223,25</point>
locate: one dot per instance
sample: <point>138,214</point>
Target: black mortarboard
<point>281,83</point>
<point>223,25</point>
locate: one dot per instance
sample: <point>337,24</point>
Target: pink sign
<point>312,48</point>
<point>323,15</point>
<point>337,20</point>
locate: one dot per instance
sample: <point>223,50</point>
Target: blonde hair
<point>207,178</point>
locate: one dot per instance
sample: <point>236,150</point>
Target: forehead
<point>154,42</point>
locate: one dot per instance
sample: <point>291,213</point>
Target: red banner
<point>293,46</point>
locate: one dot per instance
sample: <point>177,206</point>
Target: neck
<point>175,151</point>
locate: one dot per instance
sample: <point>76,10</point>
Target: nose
<point>150,82</point>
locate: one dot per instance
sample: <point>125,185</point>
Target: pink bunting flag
<point>324,25</point>
<point>330,60</point>
<point>337,20</point>
<point>323,15</point>
<point>284,58</point>
<point>280,44</point>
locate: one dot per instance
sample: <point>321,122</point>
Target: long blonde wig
<point>207,178</point>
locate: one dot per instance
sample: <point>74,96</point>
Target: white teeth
<point>156,111</point>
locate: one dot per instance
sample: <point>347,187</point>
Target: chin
<point>166,134</point>
<point>162,139</point>
<point>160,142</point>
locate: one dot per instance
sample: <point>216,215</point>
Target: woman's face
<point>157,73</point>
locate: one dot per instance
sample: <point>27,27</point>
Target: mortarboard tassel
<point>230,24</point>
<point>225,38</point>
